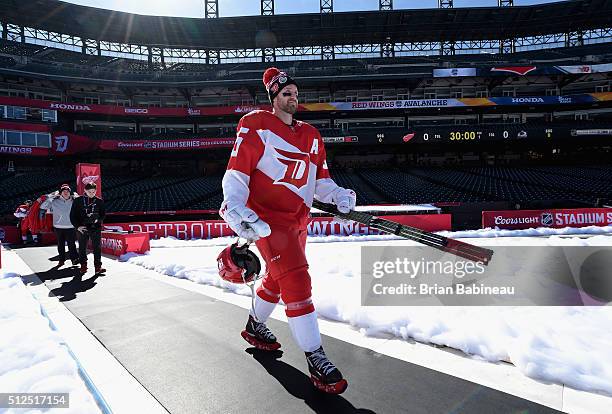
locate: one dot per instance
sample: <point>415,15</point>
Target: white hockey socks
<point>305,331</point>
<point>263,309</point>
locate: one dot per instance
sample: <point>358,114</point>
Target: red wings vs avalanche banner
<point>559,218</point>
<point>166,145</point>
<point>89,173</point>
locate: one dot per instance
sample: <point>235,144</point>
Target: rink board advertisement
<point>559,218</point>
<point>166,144</point>
<point>319,226</point>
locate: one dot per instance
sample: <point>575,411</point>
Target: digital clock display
<point>464,135</point>
<point>492,133</point>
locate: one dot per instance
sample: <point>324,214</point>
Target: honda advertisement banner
<point>558,218</point>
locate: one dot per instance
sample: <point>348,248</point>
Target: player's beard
<point>289,107</point>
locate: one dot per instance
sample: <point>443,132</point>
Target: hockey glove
<point>245,223</point>
<point>345,200</point>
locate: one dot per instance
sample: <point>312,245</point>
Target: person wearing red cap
<point>22,215</point>
<point>59,203</point>
<point>276,168</point>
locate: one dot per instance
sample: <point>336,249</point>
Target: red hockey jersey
<point>276,170</point>
<point>38,222</point>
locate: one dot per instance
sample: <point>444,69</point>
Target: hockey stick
<point>456,247</point>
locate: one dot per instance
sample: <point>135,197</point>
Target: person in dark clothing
<point>87,215</point>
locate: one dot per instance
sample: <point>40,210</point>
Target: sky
<point>229,8</point>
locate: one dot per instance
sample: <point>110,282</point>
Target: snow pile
<point>568,345</point>
<point>33,357</point>
<point>533,232</point>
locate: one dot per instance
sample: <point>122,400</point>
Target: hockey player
<point>38,220</point>
<point>22,224</point>
<point>275,169</point>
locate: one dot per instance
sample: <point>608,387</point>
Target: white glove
<point>345,200</point>
<point>245,223</point>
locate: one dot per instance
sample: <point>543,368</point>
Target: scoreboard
<point>477,133</point>
<point>455,135</point>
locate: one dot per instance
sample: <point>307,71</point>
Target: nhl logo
<point>282,79</point>
<point>546,219</point>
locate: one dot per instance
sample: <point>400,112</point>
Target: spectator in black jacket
<point>87,215</point>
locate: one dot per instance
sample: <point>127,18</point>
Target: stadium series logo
<point>546,219</point>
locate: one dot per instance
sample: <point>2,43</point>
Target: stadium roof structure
<point>299,30</point>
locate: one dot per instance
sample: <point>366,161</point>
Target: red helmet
<point>238,264</point>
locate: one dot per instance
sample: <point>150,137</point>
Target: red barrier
<point>525,219</point>
<point>319,226</point>
<point>116,244</point>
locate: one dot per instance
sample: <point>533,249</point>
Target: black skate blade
<point>264,346</point>
<point>334,388</point>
